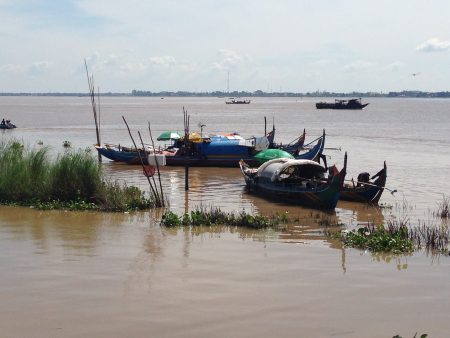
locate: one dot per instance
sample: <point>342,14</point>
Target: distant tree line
<point>257,93</point>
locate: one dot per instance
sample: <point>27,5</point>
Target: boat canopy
<point>221,146</point>
<point>283,168</point>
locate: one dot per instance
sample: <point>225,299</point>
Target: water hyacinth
<point>397,237</point>
<point>215,216</point>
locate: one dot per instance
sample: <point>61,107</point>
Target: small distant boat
<point>6,124</point>
<point>299,182</point>
<point>342,104</point>
<point>232,100</point>
<point>366,189</point>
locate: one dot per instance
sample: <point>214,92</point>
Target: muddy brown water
<point>78,274</point>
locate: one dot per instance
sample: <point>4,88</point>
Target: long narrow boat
<point>6,124</point>
<point>128,155</point>
<point>217,151</point>
<point>366,190</point>
<point>294,147</point>
<point>299,182</point>
<point>223,153</point>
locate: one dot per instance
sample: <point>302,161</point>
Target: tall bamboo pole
<point>155,195</point>
<point>156,161</point>
<point>90,80</point>
<point>186,145</point>
<point>153,176</point>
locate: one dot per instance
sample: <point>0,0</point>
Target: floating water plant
<point>215,216</point>
<point>379,239</point>
<point>397,237</point>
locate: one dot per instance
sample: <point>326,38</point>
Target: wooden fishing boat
<point>294,147</point>
<point>299,182</point>
<point>215,151</point>
<point>366,189</point>
<point>223,150</point>
<point>6,124</point>
<point>129,155</point>
<point>223,153</point>
<point>237,101</point>
<point>342,104</point>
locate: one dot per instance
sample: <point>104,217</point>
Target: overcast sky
<point>271,45</point>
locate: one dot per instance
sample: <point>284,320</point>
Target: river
<point>73,274</point>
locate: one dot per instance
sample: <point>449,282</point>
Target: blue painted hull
<point>216,154</point>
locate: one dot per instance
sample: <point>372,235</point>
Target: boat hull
<point>354,104</point>
<point>319,194</point>
<point>325,198</point>
<point>211,159</point>
<point>224,162</point>
<point>132,157</point>
<point>7,126</point>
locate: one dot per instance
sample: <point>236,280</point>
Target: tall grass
<point>29,177</point>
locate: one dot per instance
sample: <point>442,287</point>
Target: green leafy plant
<point>73,181</point>
<point>215,216</point>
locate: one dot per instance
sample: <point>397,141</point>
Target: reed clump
<point>215,216</point>
<point>72,181</point>
<point>443,210</point>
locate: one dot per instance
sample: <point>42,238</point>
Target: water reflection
<point>77,232</point>
<point>225,188</point>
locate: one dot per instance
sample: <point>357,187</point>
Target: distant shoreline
<point>258,93</point>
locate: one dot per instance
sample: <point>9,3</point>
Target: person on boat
<point>363,178</point>
<point>3,122</point>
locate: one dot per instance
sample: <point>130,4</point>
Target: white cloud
<point>358,66</point>
<point>394,66</point>
<point>162,61</point>
<point>230,59</point>
<point>433,45</point>
<point>31,68</point>
<point>323,62</point>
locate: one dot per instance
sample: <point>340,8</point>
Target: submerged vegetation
<point>73,181</point>
<point>215,216</point>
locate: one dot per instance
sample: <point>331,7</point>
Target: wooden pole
<point>265,126</point>
<point>90,80</point>
<point>156,161</point>
<point>186,147</point>
<point>155,195</point>
<point>146,155</point>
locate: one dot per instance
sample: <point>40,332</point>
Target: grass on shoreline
<point>73,181</point>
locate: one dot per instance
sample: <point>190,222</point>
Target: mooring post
<point>186,147</point>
